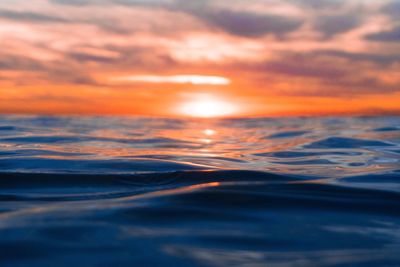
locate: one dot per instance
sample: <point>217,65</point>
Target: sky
<point>200,58</point>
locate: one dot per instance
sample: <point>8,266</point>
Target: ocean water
<point>121,191</point>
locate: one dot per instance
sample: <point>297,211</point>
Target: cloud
<point>29,17</point>
<point>333,24</point>
<point>319,4</point>
<point>326,73</point>
<point>295,47</point>
<point>178,79</point>
<point>383,60</point>
<point>126,57</point>
<point>89,57</point>
<point>111,2</point>
<point>22,63</point>
<point>385,36</point>
<point>67,75</point>
<point>224,16</point>
<point>54,72</point>
<point>248,24</point>
<point>392,9</point>
<point>305,65</point>
<point>240,23</point>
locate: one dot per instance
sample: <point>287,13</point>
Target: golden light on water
<point>207,106</point>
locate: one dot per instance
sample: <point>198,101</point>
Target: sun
<point>206,106</point>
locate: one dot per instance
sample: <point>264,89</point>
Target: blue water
<point>121,191</point>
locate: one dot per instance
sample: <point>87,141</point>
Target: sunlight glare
<point>209,132</point>
<point>208,107</point>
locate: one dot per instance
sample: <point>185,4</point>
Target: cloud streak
<point>177,79</point>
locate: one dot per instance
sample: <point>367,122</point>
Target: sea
<point>139,191</point>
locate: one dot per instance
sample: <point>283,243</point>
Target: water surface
<point>121,191</point>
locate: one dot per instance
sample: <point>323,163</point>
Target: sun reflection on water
<point>275,145</point>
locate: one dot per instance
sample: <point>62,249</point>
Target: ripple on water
<point>120,191</point>
<point>343,142</point>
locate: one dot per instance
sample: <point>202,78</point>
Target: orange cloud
<point>266,57</point>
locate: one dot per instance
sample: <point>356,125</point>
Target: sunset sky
<point>200,57</point>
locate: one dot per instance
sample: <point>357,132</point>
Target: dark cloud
<point>107,2</point>
<point>111,24</point>
<point>377,59</point>
<point>334,73</point>
<point>74,2</point>
<point>239,23</point>
<point>56,72</point>
<point>392,9</point>
<point>385,36</point>
<point>29,17</point>
<point>69,75</point>
<point>9,62</point>
<point>85,57</point>
<point>129,57</point>
<point>304,65</point>
<point>142,2</point>
<point>331,25</point>
<point>249,24</point>
<point>318,4</point>
<point>358,85</point>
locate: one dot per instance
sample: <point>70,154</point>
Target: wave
<point>342,142</point>
<point>194,217</point>
<point>96,191</point>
